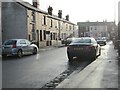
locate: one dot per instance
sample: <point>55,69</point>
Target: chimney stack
<point>36,3</point>
<point>60,14</point>
<point>50,10</point>
<point>67,17</point>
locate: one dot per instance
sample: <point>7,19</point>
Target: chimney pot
<point>67,17</point>
<point>50,10</point>
<point>36,3</point>
<point>60,13</point>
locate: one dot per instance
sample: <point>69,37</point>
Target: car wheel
<point>99,52</point>
<point>70,58</point>
<point>19,53</point>
<point>4,55</point>
<point>35,51</point>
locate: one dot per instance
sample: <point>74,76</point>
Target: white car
<point>18,47</point>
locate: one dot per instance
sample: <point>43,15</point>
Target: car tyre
<point>19,53</point>
<point>35,51</point>
<point>4,55</point>
<point>99,52</point>
<point>70,58</point>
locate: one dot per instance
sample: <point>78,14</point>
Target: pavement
<point>101,73</point>
<point>119,72</point>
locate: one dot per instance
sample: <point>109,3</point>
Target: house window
<point>44,34</point>
<point>33,16</point>
<point>95,28</point>
<point>33,27</point>
<point>29,37</point>
<point>53,36</point>
<point>51,23</point>
<point>40,35</point>
<point>91,28</point>
<point>44,20</point>
<point>66,26</point>
<point>70,27</point>
<point>62,26</point>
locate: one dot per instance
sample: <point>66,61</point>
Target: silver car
<point>18,47</point>
<point>101,41</point>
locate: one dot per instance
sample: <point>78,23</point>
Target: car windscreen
<point>82,41</point>
<point>101,38</point>
<point>69,39</point>
<point>9,42</point>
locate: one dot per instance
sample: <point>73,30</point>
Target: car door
<point>29,47</point>
<point>24,46</point>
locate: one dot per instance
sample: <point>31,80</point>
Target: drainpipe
<point>59,30</point>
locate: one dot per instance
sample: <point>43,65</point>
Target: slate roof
<point>29,6</point>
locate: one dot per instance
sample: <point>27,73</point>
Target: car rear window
<point>101,38</point>
<point>82,41</point>
<point>69,39</point>
<point>10,42</point>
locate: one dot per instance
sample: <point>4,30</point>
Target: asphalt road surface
<point>34,71</point>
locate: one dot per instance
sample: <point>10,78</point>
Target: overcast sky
<point>83,10</point>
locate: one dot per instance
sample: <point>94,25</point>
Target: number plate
<point>78,48</point>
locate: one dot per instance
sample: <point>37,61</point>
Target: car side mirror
<point>32,43</point>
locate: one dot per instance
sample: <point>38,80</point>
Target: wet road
<point>101,73</point>
<point>34,71</point>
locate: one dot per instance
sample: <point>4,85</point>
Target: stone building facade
<point>23,20</point>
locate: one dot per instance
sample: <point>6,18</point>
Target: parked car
<point>68,41</point>
<point>18,47</point>
<point>101,41</point>
<point>83,47</point>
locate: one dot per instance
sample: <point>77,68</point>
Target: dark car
<point>101,41</point>
<point>83,47</point>
<point>68,41</point>
<point>18,47</point>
